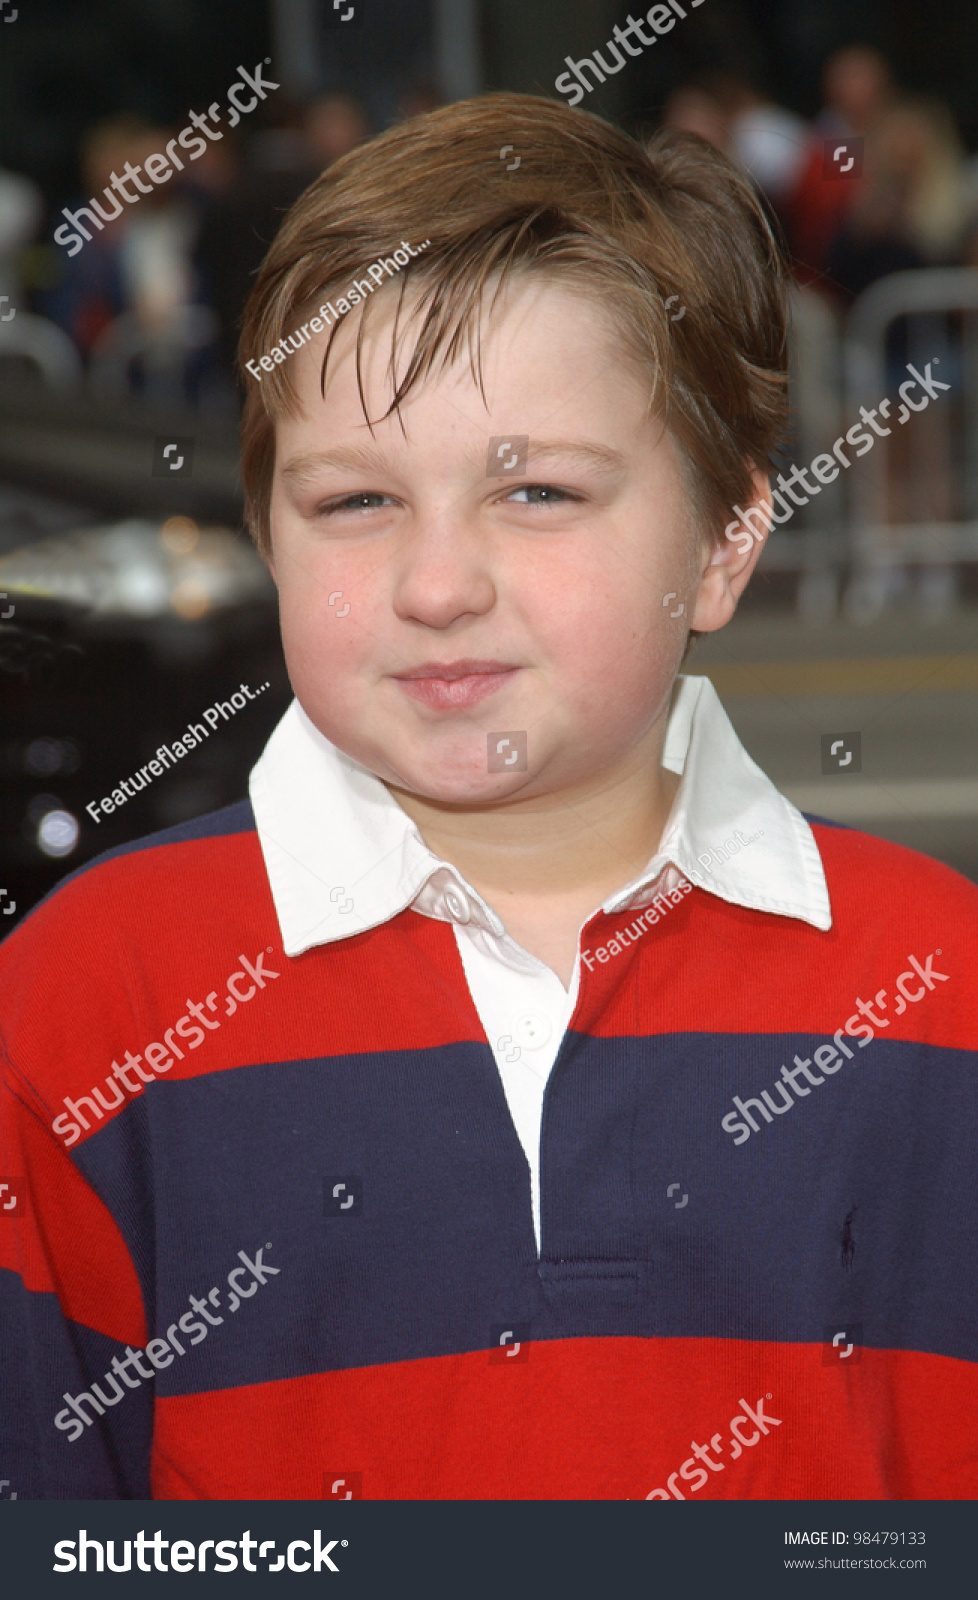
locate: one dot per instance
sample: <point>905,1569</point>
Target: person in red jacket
<point>516,1097</point>
<point>858,90</point>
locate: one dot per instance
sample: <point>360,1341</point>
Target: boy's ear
<point>726,568</point>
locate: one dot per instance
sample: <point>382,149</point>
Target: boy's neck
<point>580,844</point>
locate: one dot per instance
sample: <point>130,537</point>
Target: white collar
<point>342,856</point>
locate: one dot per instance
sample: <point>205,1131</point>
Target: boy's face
<point>538,594</point>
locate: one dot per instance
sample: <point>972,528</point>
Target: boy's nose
<point>443,572</point>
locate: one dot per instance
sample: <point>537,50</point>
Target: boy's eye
<point>354,502</point>
<point>542,494</point>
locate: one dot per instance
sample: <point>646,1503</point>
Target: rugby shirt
<point>372,861</point>
<point>273,1233</point>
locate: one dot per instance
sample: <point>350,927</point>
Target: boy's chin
<point>438,790</point>
<point>450,779</point>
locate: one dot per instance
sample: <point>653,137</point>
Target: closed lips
<point>449,671</point>
<point>454,685</point>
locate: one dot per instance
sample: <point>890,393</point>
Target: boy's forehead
<point>539,341</point>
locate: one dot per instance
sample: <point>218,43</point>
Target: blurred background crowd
<point>737,73</point>
<point>127,593</point>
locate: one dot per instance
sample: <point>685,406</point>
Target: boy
<point>409,1119</point>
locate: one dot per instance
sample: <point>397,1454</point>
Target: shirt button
<point>457,906</point>
<point>533,1030</point>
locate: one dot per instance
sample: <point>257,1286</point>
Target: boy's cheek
<point>315,639</point>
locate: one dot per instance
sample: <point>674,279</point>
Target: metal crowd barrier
<point>913,498</point>
<point>24,336</point>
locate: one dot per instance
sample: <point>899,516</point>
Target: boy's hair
<point>639,228</point>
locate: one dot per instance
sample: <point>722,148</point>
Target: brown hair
<point>634,225</point>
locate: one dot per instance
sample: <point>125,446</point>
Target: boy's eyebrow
<point>588,454</point>
<point>368,458</point>
<point>353,458</point>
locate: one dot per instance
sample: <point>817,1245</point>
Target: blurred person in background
<point>913,207</point>
<point>333,124</point>
<point>90,294</point>
<point>21,210</point>
<point>918,145</point>
<point>692,108</point>
<point>766,139</point>
<point>140,260</point>
<point>858,89</point>
<point>155,239</point>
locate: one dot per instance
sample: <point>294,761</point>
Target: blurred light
<point>142,589</point>
<point>190,599</point>
<point>45,756</point>
<point>58,833</point>
<point>133,568</point>
<point>180,535</point>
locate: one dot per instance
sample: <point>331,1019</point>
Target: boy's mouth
<point>454,685</point>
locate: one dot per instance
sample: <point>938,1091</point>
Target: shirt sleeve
<point>72,1426</point>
